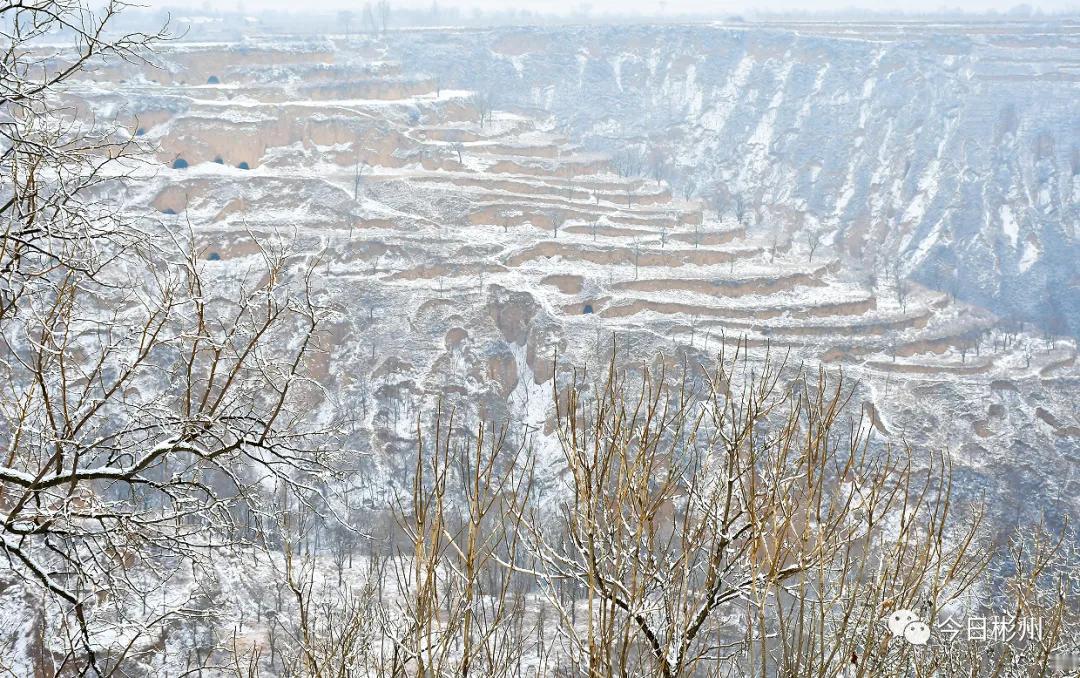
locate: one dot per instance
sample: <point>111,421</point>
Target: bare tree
<point>345,18</point>
<point>689,189</point>
<point>680,509</point>
<point>740,210</point>
<point>457,552</point>
<point>964,346</point>
<point>813,241</point>
<point>321,628</point>
<point>382,13</point>
<point>900,284</point>
<point>359,167</point>
<point>143,404</point>
<point>729,521</point>
<point>370,18</point>
<point>658,164</point>
<point>53,169</point>
<point>774,241</point>
<point>570,170</point>
<point>628,163</point>
<point>717,200</point>
<point>483,102</point>
<point>556,218</point>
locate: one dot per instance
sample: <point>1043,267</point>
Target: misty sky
<point>644,7</point>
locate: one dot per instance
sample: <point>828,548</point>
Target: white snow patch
<point>1030,256</point>
<point>726,98</point>
<point>1009,225</point>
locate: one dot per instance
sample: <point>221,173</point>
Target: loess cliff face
<point>465,244</point>
<point>950,149</point>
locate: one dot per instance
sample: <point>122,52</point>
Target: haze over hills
<point>952,148</point>
<point>947,147</point>
<point>487,199</point>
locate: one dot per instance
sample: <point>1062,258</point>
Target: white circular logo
<point>899,620</point>
<point>907,625</point>
<point>917,633</point>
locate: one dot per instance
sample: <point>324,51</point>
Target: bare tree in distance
<point>658,164</point>
<point>556,217</point>
<point>628,163</point>
<point>382,13</point>
<point>483,103</point>
<point>689,189</point>
<point>901,287</point>
<point>370,18</point>
<point>717,200</point>
<point>376,16</point>
<point>739,206</point>
<point>345,18</point>
<point>774,241</point>
<point>813,241</point>
<point>359,167</point>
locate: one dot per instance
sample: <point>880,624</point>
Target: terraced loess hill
<point>466,247</point>
<point>950,146</point>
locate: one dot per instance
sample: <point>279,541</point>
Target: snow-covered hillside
<point>954,147</point>
<point>468,239</point>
